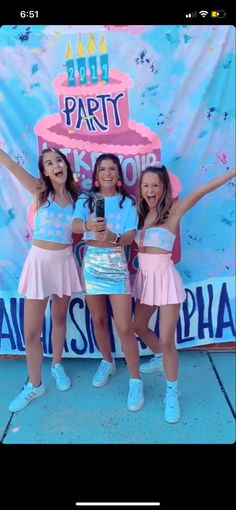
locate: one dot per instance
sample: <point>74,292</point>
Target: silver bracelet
<point>84,225</point>
<point>117,239</point>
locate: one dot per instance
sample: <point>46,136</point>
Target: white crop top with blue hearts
<point>119,219</point>
<point>155,237</point>
<point>54,223</point>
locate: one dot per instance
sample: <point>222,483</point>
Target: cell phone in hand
<point>99,206</point>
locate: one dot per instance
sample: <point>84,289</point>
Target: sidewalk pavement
<point>88,415</point>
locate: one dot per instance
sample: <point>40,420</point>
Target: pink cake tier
<point>137,147</point>
<point>94,109</point>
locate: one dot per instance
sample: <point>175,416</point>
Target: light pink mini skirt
<point>48,272</point>
<point>157,282</point>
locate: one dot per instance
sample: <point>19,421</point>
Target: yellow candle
<point>70,66</point>
<point>104,60</point>
<point>92,60</point>
<point>81,63</point>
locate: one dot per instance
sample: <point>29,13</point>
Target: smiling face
<point>54,167</point>
<point>107,175</point>
<point>151,189</point>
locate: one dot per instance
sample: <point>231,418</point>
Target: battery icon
<point>218,14</point>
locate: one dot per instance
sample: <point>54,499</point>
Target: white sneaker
<point>63,381</point>
<point>172,408</point>
<point>26,395</point>
<point>104,371</point>
<point>135,397</point>
<point>152,365</point>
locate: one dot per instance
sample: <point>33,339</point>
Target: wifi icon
<point>203,13</point>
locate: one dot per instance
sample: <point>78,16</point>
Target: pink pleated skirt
<point>157,282</point>
<point>48,272</point>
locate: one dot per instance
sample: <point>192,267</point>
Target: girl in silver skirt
<point>105,271</point>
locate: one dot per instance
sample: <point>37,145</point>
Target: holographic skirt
<point>105,271</point>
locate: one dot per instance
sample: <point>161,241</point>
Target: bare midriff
<point>151,249</point>
<point>101,244</point>
<point>48,245</point>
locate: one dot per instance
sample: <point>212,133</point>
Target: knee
<point>59,319</point>
<point>99,322</point>
<point>124,330</point>
<point>166,344</point>
<point>139,328</point>
<point>31,336</point>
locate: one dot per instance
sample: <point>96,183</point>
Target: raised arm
<point>28,181</point>
<point>181,206</point>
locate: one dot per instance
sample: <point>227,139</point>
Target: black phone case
<point>100,208</point>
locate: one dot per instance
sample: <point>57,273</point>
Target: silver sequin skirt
<point>105,271</point>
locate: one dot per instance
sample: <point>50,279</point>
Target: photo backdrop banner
<point>146,93</point>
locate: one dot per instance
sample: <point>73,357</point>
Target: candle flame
<point>103,46</point>
<point>80,48</point>
<point>91,44</point>
<point>68,52</point>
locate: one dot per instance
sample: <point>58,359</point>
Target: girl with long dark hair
<point>50,269</point>
<point>105,271</point>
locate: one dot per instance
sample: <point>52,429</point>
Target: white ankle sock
<point>172,385</point>
<point>158,355</point>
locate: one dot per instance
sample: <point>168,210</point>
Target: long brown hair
<point>119,189</point>
<point>165,202</point>
<point>45,187</point>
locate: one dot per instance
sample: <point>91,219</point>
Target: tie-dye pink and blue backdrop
<point>157,92</point>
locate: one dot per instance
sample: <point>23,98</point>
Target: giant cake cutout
<point>94,118</point>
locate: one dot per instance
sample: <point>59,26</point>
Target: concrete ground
<point>88,415</point>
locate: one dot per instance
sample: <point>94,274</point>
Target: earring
<point>119,183</point>
<point>96,183</point>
